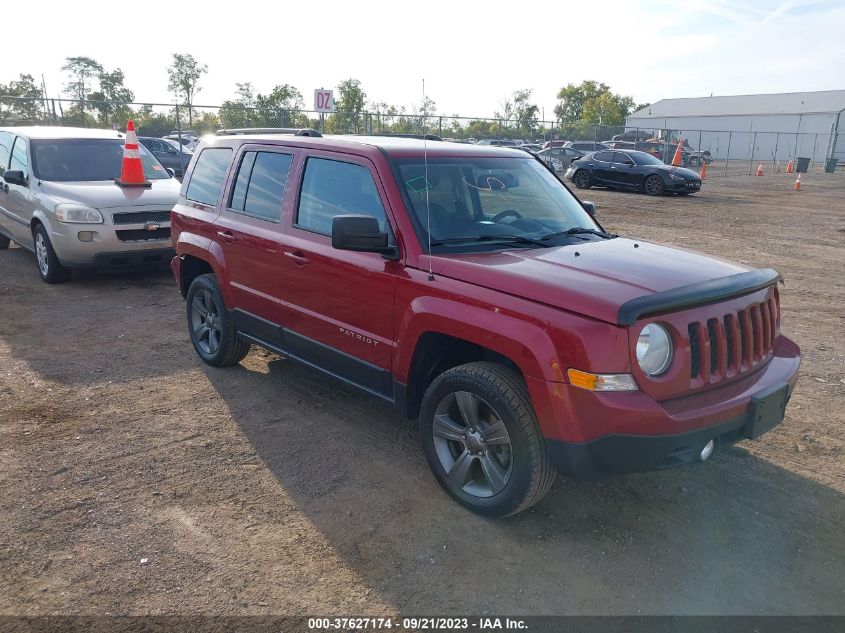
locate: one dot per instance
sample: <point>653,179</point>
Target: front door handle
<point>298,257</point>
<point>227,236</point>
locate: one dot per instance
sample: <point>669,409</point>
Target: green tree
<point>572,98</point>
<point>112,99</point>
<point>184,75</point>
<point>349,107</point>
<point>592,102</point>
<point>28,103</point>
<point>81,71</point>
<point>281,107</point>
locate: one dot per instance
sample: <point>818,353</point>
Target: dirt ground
<point>135,480</point>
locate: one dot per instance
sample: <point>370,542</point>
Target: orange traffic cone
<point>789,167</point>
<point>759,170</point>
<point>677,159</point>
<point>703,173</point>
<point>797,186</point>
<point>132,169</point>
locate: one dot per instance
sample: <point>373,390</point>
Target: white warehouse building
<point>764,127</point>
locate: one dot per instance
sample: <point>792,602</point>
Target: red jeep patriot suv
<point>469,287</point>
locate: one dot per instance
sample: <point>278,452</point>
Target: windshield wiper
<point>579,230</point>
<point>516,239</point>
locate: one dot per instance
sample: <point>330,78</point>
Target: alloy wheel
<point>472,444</point>
<point>41,254</point>
<point>206,322</point>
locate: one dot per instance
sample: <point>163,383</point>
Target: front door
<point>339,303</point>
<point>18,200</point>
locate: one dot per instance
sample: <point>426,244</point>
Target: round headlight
<point>654,349</point>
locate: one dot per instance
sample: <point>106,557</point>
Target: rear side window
<point>331,188</point>
<point>19,157</point>
<point>209,174</point>
<point>5,150</point>
<point>606,157</point>
<point>260,185</point>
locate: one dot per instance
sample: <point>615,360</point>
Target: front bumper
<point>677,186</point>
<point>590,435</point>
<point>111,246</point>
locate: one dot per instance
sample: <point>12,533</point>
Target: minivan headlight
<point>74,213</point>
<point>654,349</point>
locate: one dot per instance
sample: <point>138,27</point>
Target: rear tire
<point>4,242</point>
<point>653,186</point>
<point>210,325</point>
<point>582,179</point>
<point>482,441</point>
<point>49,268</point>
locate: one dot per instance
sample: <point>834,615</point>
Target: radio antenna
<point>425,162</point>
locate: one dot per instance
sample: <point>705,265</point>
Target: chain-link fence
<point>725,152</point>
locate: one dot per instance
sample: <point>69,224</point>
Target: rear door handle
<point>298,258</point>
<point>227,236</point>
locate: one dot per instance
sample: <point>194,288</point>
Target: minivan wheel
<point>582,179</point>
<point>49,267</point>
<point>482,441</point>
<point>653,186</point>
<point>210,325</point>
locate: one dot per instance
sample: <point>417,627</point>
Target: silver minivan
<point>59,198</point>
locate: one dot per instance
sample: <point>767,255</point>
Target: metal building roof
<point>822,102</point>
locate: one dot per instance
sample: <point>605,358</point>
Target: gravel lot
<point>135,480</point>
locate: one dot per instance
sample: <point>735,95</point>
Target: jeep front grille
<point>735,343</point>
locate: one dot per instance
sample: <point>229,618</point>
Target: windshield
<point>517,199</point>
<point>75,160</point>
<point>641,158</point>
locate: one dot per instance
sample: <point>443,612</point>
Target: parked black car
<point>632,170</point>
<point>168,154</point>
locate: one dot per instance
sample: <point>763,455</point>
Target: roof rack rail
<point>427,137</point>
<point>295,131</point>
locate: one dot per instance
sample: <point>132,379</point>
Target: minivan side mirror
<point>361,233</point>
<point>171,171</point>
<point>14,177</point>
<point>589,207</point>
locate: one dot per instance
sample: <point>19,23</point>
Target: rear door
<point>249,232</point>
<point>19,200</point>
<point>602,163</point>
<point>340,303</point>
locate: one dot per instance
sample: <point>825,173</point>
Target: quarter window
<point>331,188</point>
<point>19,157</point>
<point>208,175</point>
<point>260,184</point>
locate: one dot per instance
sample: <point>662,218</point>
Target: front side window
<point>330,188</point>
<point>20,161</point>
<point>260,184</point>
<point>208,175</point>
<point>469,203</point>
<point>87,159</point>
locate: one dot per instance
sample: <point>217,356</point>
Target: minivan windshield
<point>86,159</point>
<point>473,203</point>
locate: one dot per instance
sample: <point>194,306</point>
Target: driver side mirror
<point>361,233</point>
<point>14,177</point>
<point>589,207</point>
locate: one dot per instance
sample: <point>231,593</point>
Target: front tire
<point>653,186</point>
<point>582,179</point>
<point>49,268</point>
<point>4,242</point>
<point>482,440</point>
<point>210,325</point>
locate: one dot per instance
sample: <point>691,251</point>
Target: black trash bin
<point>830,165</point>
<point>802,165</point>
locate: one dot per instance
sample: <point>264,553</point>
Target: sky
<point>472,55</point>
